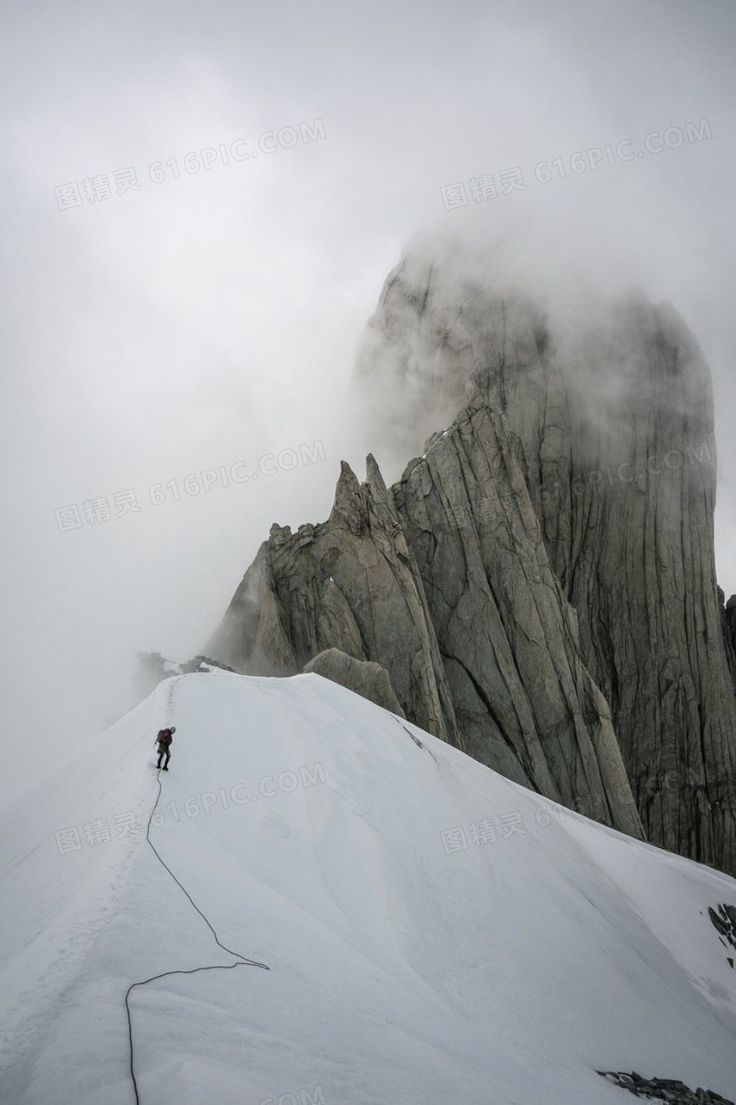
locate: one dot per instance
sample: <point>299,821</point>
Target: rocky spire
<point>539,585</point>
<point>610,415</point>
<point>349,583</point>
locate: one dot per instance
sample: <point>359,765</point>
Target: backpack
<point>165,737</point>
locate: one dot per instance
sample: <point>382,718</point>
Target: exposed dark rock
<point>203,663</point>
<point>154,668</point>
<point>723,919</point>
<point>663,1089</point>
<point>365,677</point>
<point>729,631</point>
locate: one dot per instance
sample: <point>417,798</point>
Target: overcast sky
<point>163,319</point>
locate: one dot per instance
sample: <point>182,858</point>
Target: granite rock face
<point>609,411</point>
<point>524,701</point>
<point>540,582</point>
<point>364,677</point>
<point>475,621</point>
<point>350,583</point>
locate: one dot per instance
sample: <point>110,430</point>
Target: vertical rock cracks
<point>540,582</point>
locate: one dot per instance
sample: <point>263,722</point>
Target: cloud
<point>214,315</point>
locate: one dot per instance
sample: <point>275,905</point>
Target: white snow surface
<point>405,969</point>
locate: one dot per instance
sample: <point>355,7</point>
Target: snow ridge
<point>243,960</point>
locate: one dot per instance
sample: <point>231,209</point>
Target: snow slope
<point>405,968</point>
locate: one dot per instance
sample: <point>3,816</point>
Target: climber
<point>163,741</point>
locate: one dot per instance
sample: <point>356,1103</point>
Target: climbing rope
<point>243,961</point>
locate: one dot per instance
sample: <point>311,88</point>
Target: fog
<point>173,308</point>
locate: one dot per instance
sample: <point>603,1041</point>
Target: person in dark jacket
<point>163,741</point>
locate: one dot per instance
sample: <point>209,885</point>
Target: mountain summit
<point>540,582</point>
